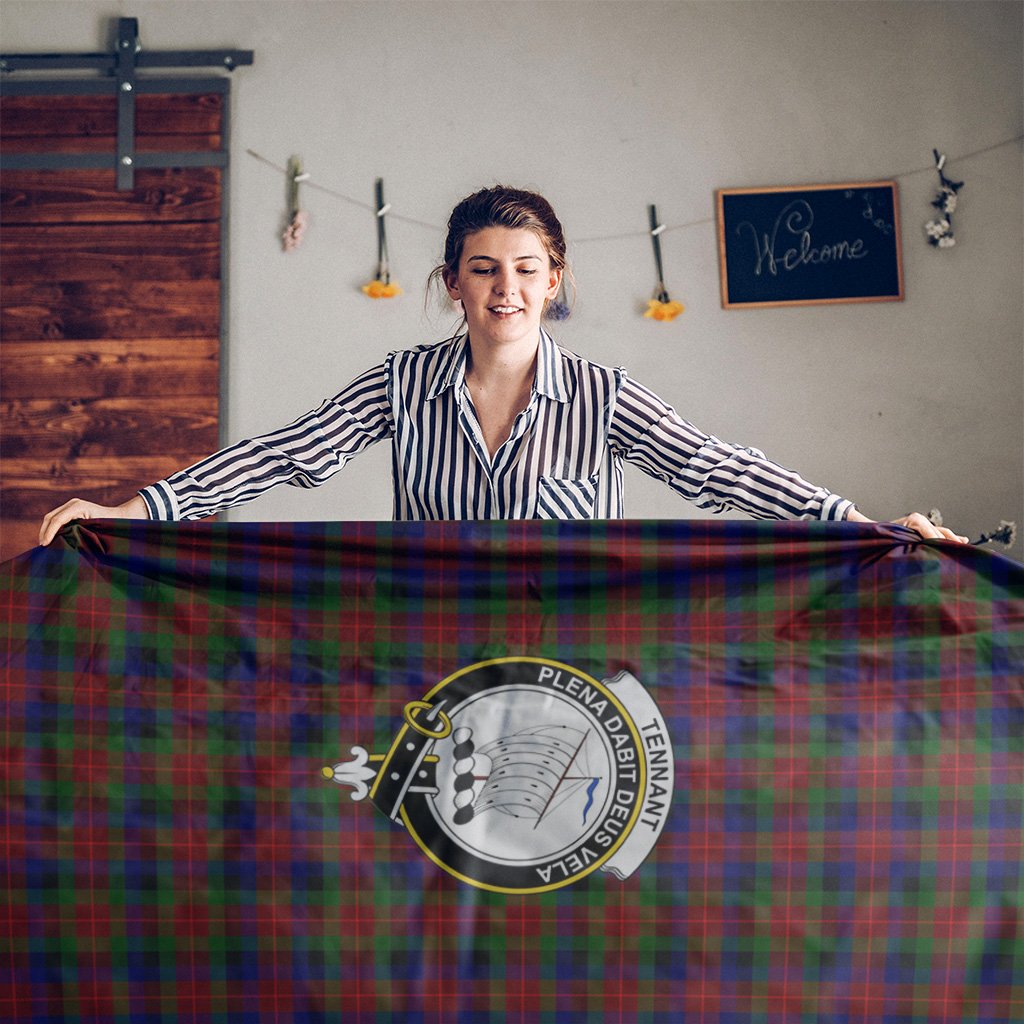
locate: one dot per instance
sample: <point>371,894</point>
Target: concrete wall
<point>606,107</point>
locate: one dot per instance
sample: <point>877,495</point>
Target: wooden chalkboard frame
<point>883,283</point>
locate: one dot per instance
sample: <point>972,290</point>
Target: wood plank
<point>83,116</point>
<point>30,487</point>
<point>84,475</point>
<point>108,144</point>
<point>76,116</point>
<point>109,369</point>
<point>58,429</point>
<point>18,536</point>
<point>163,195</point>
<point>98,252</point>
<point>118,309</point>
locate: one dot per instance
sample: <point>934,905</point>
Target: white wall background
<point>606,107</point>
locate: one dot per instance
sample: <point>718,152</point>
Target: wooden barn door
<point>111,297</point>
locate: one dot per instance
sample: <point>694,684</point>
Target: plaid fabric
<point>844,844</point>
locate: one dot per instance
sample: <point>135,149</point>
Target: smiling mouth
<point>505,310</point>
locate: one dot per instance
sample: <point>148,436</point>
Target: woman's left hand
<point>919,524</point>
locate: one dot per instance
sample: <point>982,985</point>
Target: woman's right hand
<point>76,508</point>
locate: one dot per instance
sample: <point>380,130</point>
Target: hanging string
<point>965,156</point>
<point>310,183</point>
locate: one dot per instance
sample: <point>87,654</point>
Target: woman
<point>498,422</point>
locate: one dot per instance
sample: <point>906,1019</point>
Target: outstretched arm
<point>304,453</point>
<point>712,473</point>
<point>717,475</point>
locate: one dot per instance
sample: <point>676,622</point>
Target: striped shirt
<point>562,460</point>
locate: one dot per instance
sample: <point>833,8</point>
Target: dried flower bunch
<point>298,218</point>
<point>1005,533</point>
<point>940,231</point>
<point>292,237</point>
<point>381,287</point>
<point>660,307</point>
<point>558,307</point>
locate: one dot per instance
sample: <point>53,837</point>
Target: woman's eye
<point>483,271</point>
<point>526,270</point>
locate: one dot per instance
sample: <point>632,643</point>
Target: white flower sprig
<point>940,231</point>
<point>1005,533</point>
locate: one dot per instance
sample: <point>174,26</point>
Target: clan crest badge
<point>524,775</point>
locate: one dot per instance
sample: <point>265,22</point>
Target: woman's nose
<point>504,283</point>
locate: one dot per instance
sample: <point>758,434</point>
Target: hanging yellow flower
<point>381,287</point>
<point>657,310</point>
<point>381,290</point>
<point>661,307</point>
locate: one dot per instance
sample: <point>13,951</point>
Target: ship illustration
<point>528,774</point>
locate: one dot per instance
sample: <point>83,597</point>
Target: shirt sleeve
<point>304,453</point>
<point>711,473</point>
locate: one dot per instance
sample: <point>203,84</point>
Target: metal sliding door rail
<point>124,82</point>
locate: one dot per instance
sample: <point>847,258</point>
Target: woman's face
<point>504,280</point>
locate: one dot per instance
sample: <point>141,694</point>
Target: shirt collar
<point>551,376</point>
<point>451,370</point>
<point>550,379</point>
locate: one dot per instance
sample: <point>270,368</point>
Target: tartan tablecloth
<point>606,771</point>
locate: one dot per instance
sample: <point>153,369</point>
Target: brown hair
<point>501,207</point>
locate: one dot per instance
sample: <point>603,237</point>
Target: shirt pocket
<point>566,498</point>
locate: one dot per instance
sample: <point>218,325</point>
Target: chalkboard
<point>814,244</point>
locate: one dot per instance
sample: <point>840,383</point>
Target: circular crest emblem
<point>524,775</point>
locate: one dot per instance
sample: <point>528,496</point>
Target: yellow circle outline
<point>641,787</point>
<point>422,705</point>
